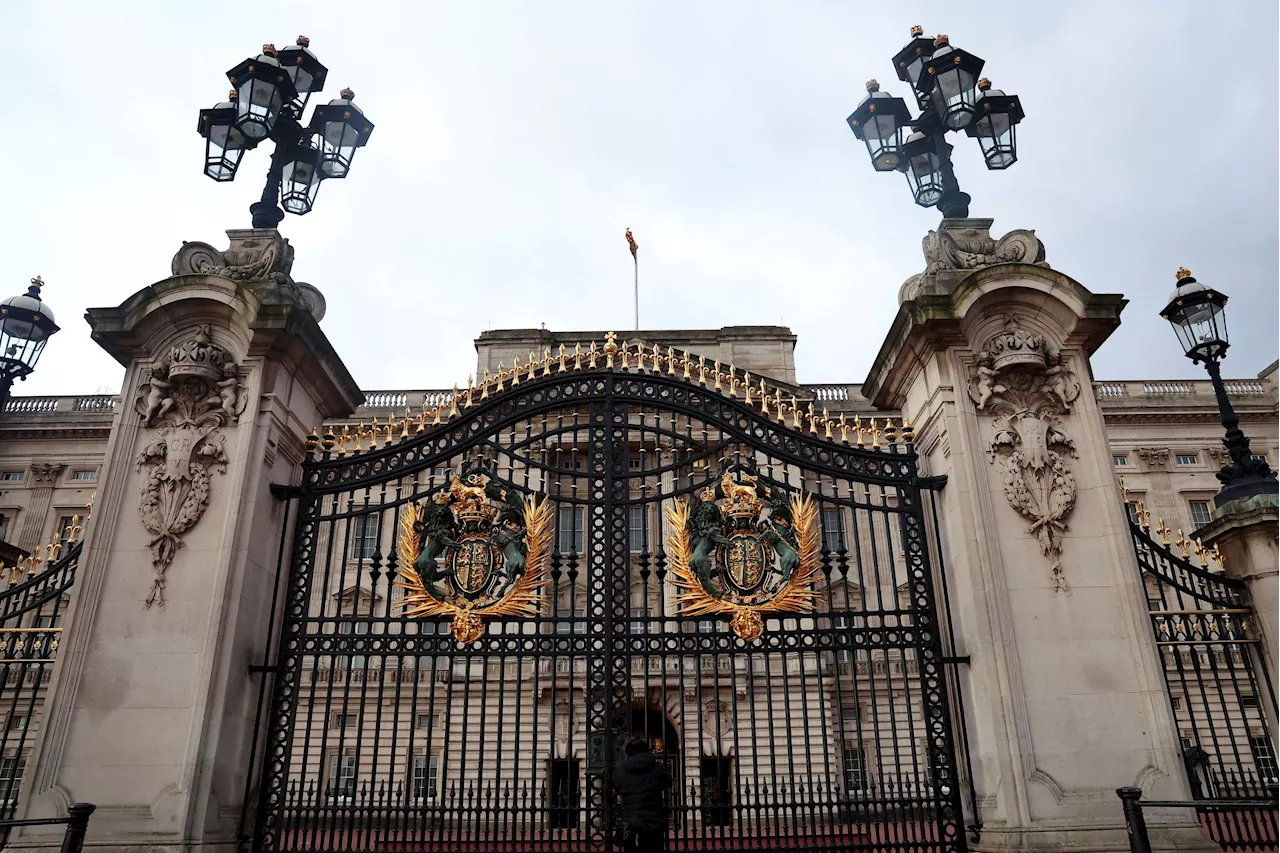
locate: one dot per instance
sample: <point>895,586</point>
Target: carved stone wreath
<point>191,392</point>
<point>1023,380</point>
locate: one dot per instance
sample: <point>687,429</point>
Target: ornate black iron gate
<point>1219,690</point>
<point>742,584</point>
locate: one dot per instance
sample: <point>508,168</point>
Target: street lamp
<point>269,94</point>
<point>951,96</point>
<point>25,326</point>
<point>1198,316</point>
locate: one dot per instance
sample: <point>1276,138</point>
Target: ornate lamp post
<point>1198,316</point>
<point>951,96</point>
<point>25,326</point>
<point>269,95</point>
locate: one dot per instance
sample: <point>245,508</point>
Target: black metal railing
<point>1237,826</point>
<point>77,821</point>
<point>1218,686</point>
<point>33,599</point>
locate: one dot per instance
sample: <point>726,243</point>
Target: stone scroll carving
<point>193,390</point>
<point>961,245</point>
<point>259,257</point>
<point>1023,381</point>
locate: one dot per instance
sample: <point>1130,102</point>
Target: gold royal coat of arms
<point>474,549</point>
<point>741,548</point>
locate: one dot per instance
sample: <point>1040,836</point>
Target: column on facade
<point>151,710</point>
<point>989,360</point>
<point>1161,499</point>
<point>44,478</point>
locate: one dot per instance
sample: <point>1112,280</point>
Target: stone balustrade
<point>1151,389</point>
<point>54,405</point>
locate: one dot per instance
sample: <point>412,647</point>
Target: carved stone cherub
<point>229,390</point>
<point>986,385</point>
<point>158,402</point>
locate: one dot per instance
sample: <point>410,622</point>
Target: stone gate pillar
<point>152,707</point>
<point>988,357</point>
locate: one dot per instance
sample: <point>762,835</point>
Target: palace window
<point>1199,512</point>
<point>364,536</point>
<point>832,529</point>
<point>428,721</point>
<point>11,769</point>
<point>426,777</point>
<point>358,629</point>
<point>855,768</point>
<point>851,714</point>
<point>1264,758</point>
<point>1119,459</point>
<point>1186,459</point>
<point>342,776</point>
<point>4,526</point>
<point>64,529</point>
<point>13,475</point>
<point>638,521</point>
<point>569,530</point>
<point>85,475</point>
<point>345,721</point>
<point>1132,511</point>
<point>16,722</point>
<point>1258,457</point>
<point>1249,702</point>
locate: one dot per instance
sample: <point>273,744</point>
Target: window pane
<point>1117,459</point>
<point>639,526</point>
<point>569,530</point>
<point>364,536</point>
<point>832,529</point>
<point>1199,512</point>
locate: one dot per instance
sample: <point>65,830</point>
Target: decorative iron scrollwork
<point>475,549</point>
<point>740,547</point>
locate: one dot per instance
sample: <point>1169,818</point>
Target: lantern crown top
<point>984,84</point>
<point>917,30</point>
<point>269,50</point>
<point>941,39</point>
<point>873,86</point>
<point>348,94</point>
<point>303,41</point>
<point>1182,273</point>
<point>37,283</point>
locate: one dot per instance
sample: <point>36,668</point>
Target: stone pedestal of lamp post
<point>152,708</point>
<point>989,357</point>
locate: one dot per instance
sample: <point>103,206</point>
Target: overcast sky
<point>515,142</point>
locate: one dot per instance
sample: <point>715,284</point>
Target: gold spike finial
<point>1182,273</point>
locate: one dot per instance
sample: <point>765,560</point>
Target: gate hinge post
<point>282,492</point>
<point>255,668</point>
<point>937,482</point>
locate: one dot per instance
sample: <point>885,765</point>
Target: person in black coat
<point>642,787</point>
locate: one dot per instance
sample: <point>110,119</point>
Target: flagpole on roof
<point>631,243</point>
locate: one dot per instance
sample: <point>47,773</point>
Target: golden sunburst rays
<point>523,598</point>
<point>797,595</point>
